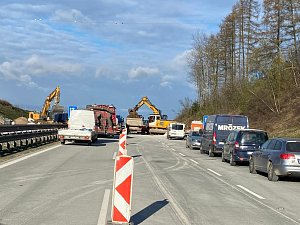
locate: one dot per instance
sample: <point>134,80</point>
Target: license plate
<point>221,143</point>
<point>249,153</point>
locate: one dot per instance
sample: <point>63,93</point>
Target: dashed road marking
<point>214,172</point>
<point>104,208</point>
<point>250,192</point>
<point>114,156</point>
<point>173,149</point>
<point>182,154</point>
<point>194,161</point>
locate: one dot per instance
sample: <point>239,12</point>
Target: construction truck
<point>45,113</point>
<point>156,124</point>
<point>105,119</point>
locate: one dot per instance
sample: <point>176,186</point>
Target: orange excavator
<point>33,116</point>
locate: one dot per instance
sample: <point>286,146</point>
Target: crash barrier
<point>122,142</point>
<point>122,190</point>
<point>14,128</point>
<point>26,136</point>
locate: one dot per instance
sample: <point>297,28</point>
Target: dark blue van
<point>217,129</point>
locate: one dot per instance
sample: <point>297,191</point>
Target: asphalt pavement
<point>72,185</point>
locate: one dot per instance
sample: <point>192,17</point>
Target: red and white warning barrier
<point>121,202</point>
<point>122,143</point>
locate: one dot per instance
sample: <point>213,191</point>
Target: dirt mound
<point>21,120</point>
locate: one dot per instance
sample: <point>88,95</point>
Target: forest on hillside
<point>251,65</point>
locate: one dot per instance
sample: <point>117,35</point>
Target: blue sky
<point>102,51</point>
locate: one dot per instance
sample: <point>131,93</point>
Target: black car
<point>217,129</point>
<point>240,144</point>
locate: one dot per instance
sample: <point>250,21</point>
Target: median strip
<point>214,172</point>
<point>250,192</point>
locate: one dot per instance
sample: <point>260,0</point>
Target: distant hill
<point>9,111</point>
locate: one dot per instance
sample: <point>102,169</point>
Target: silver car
<point>193,140</point>
<point>277,157</point>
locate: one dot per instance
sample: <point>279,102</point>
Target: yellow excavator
<point>157,123</point>
<point>45,110</point>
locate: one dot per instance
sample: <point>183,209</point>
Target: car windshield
<point>253,138</point>
<point>293,146</point>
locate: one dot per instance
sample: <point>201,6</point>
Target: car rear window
<point>177,127</point>
<point>293,146</point>
<point>195,134</point>
<point>250,138</point>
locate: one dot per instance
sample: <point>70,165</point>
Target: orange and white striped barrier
<point>122,143</point>
<point>122,190</point>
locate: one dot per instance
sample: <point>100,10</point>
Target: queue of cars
<point>230,137</point>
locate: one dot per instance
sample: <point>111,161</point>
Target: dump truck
<point>105,119</point>
<point>81,128</point>
<point>156,124</point>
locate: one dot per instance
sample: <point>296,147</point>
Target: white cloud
<point>72,15</point>
<point>180,59</point>
<point>23,70</point>
<point>143,72</point>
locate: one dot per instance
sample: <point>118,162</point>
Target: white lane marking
<point>104,208</point>
<point>214,172</point>
<point>114,156</point>
<point>173,149</point>
<point>251,192</point>
<point>27,157</point>
<point>194,161</point>
<point>182,154</point>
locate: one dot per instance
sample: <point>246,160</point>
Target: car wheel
<point>271,173</point>
<point>222,157</point>
<point>251,166</point>
<point>201,150</point>
<point>231,160</point>
<point>210,153</point>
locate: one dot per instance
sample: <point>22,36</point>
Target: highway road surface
<point>72,185</point>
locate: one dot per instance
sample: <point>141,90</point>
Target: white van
<point>176,130</point>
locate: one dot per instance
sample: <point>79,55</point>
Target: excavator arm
<point>147,102</point>
<point>54,94</point>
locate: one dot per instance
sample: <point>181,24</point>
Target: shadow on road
<point>107,140</point>
<point>135,156</point>
<point>148,211</point>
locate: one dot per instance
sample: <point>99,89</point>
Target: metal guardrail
<point>14,128</point>
<point>23,136</point>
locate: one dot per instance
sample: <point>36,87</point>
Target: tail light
<point>287,156</point>
<point>87,137</point>
<point>214,138</point>
<point>61,136</point>
<point>236,145</point>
